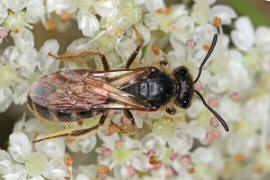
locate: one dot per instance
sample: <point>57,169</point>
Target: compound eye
<point>184,100</point>
<point>185,103</point>
<point>181,73</point>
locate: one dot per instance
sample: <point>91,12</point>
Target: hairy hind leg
<point>171,110</point>
<point>131,129</point>
<point>162,65</point>
<point>75,132</point>
<point>83,56</point>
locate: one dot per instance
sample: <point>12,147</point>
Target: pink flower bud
<point>235,96</point>
<point>216,133</point>
<point>190,43</point>
<point>106,152</point>
<point>3,33</point>
<point>209,137</point>
<point>151,153</point>
<point>169,172</point>
<point>214,122</point>
<point>198,86</point>
<point>173,156</point>
<point>131,171</point>
<point>185,160</point>
<point>213,102</point>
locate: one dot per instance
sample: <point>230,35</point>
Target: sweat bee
<point>74,95</point>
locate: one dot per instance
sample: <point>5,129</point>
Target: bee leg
<point>83,56</point>
<point>139,42</point>
<point>131,129</point>
<point>170,110</point>
<point>162,65</point>
<point>75,132</point>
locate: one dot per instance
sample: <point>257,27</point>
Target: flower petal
<point>243,36</point>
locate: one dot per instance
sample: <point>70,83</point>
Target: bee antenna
<point>207,56</point>
<point>221,120</point>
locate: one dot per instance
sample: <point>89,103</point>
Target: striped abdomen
<point>57,116</point>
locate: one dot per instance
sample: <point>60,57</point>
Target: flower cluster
<point>189,145</point>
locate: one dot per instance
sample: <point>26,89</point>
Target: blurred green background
<point>257,10</point>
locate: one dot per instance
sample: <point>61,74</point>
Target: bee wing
<point>83,90</point>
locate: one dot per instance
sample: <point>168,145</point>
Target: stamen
<point>50,25</point>
<point>216,21</point>
<point>65,16</point>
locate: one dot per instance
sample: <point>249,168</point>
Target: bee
<point>75,95</point>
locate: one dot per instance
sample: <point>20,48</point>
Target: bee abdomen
<point>58,116</point>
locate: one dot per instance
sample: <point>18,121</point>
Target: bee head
<point>185,87</point>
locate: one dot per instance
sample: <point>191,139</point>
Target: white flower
<point>204,34</point>
<point>5,162</point>
<point>243,36</point>
<point>181,143</point>
<point>106,8</point>
<point>5,98</point>
<point>83,144</point>
<point>230,110</point>
<point>51,148</point>
<point>18,174</point>
<point>153,5</point>
<point>262,36</point>
<point>200,12</point>
<point>3,12</point>
<point>15,5</point>
<point>20,92</point>
<point>263,44</point>
<point>59,6</point>
<point>56,169</point>
<point>153,142</point>
<point>87,22</point>
<point>20,146</point>
<point>224,12</point>
<point>16,21</point>
<point>119,155</point>
<point>46,63</point>
<point>35,11</point>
